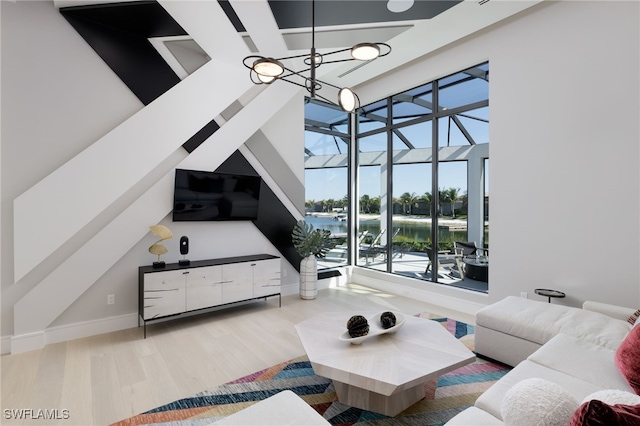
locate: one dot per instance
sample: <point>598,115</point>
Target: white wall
<point>58,97</point>
<point>564,147</point>
<point>72,123</point>
<point>564,137</point>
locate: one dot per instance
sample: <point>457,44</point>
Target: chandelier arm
<point>337,51</point>
<point>272,69</point>
<point>304,55</point>
<point>328,84</point>
<point>347,60</point>
<point>292,82</point>
<point>387,52</point>
<point>326,100</point>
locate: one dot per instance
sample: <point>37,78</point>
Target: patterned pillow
<point>632,319</point>
<point>597,413</point>
<point>627,359</point>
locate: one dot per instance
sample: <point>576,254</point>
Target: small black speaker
<point>184,245</point>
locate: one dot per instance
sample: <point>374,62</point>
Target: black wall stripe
<point>202,135</point>
<point>119,32</point>
<point>274,220</point>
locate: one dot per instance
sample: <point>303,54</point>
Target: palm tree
<point>365,203</point>
<point>426,198</point>
<point>407,199</point>
<point>442,198</point>
<point>452,195</point>
<point>374,205</point>
<point>309,204</point>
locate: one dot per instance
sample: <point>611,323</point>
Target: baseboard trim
<point>27,342</point>
<point>5,345</point>
<point>461,300</point>
<point>38,340</point>
<point>32,341</point>
<point>79,330</point>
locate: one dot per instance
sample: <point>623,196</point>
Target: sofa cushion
<point>539,321</point>
<point>627,359</point>
<point>581,359</point>
<point>614,396</point>
<point>537,402</point>
<point>598,413</point>
<point>474,416</point>
<point>491,400</point>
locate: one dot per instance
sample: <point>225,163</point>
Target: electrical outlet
<point>111,299</point>
<point>524,294</point>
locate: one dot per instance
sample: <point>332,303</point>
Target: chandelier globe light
<point>265,70</point>
<point>365,51</point>
<point>268,67</point>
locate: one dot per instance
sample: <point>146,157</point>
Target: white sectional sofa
<point>571,348</point>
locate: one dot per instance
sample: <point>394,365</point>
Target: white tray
<point>375,328</point>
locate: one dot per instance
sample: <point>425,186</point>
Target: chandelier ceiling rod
<point>313,49</point>
<point>264,70</point>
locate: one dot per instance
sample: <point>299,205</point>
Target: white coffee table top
<point>418,351</point>
<point>284,408</point>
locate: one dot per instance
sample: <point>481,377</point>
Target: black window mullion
<point>435,198</point>
<point>389,218</point>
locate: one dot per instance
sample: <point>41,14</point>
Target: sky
<point>324,184</point>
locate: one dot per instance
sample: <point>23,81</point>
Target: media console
<point>177,289</point>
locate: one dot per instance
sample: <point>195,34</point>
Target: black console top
<point>208,262</point>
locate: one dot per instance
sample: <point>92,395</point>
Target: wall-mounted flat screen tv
<point>207,196</point>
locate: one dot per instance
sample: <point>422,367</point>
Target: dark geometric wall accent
<point>274,219</point>
<point>201,136</point>
<point>118,32</point>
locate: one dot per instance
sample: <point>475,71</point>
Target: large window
<point>421,183</point>
<point>327,141</point>
<point>426,152</point>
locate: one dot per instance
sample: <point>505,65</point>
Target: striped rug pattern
<point>452,393</point>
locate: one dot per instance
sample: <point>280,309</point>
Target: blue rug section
<point>297,369</point>
<point>210,400</point>
<point>463,329</point>
<point>489,376</point>
<point>298,376</point>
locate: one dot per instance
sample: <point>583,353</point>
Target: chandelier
<point>264,70</point>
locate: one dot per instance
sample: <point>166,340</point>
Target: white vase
<point>309,277</point>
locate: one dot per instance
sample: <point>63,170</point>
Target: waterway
<point>415,230</point>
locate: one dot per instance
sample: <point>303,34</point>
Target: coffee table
<point>386,373</point>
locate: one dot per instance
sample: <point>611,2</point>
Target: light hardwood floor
<point>106,378</point>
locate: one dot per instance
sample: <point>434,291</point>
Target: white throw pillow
<point>613,397</point>
<point>537,402</point>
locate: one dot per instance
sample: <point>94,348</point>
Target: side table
<point>549,293</point>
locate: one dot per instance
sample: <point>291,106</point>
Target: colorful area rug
<point>452,393</point>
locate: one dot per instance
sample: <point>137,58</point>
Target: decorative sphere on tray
<point>387,320</point>
<point>357,326</point>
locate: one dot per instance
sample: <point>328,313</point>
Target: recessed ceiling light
<point>398,6</point>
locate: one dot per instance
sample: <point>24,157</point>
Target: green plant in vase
<point>310,243</point>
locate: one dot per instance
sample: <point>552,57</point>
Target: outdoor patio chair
<point>465,249</point>
<point>382,248</point>
<point>448,260</point>
<point>373,249</point>
<point>340,252</point>
<point>469,248</point>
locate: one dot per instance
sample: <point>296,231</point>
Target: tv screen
<point>205,196</point>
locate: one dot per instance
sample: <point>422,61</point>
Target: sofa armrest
<point>615,311</point>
